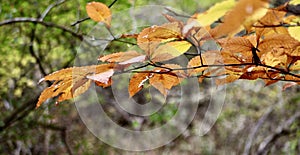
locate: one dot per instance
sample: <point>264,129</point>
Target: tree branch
<point>38,21</point>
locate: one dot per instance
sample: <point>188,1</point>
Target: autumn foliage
<point>256,42</point>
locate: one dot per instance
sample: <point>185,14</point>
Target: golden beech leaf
<point>275,59</point>
<point>295,32</point>
<point>197,65</point>
<point>71,82</point>
<point>272,17</point>
<point>236,44</point>
<point>151,37</point>
<point>208,58</point>
<point>214,13</point>
<point>123,57</point>
<point>99,12</point>
<point>235,18</point>
<point>165,79</point>
<point>278,41</point>
<point>170,50</point>
<point>137,81</point>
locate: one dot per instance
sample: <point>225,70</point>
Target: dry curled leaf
<point>71,82</point>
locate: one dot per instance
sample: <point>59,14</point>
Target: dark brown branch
<point>36,20</point>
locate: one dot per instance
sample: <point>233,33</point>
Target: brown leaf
<point>279,41</point>
<point>236,44</point>
<point>99,12</point>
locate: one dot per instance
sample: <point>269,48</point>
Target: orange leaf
<point>164,80</point>
<point>283,41</point>
<point>123,58</point>
<point>71,82</point>
<point>136,82</point>
<point>236,44</point>
<point>196,62</point>
<point>151,37</point>
<point>99,12</point>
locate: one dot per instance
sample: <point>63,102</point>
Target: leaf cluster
<point>256,42</point>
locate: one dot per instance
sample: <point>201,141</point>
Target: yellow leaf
<point>295,66</point>
<point>99,12</point>
<point>294,2</point>
<point>295,32</point>
<point>214,13</point>
<point>170,50</point>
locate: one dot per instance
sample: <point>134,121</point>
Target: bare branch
<point>38,21</point>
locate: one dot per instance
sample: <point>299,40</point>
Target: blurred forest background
<point>37,38</point>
